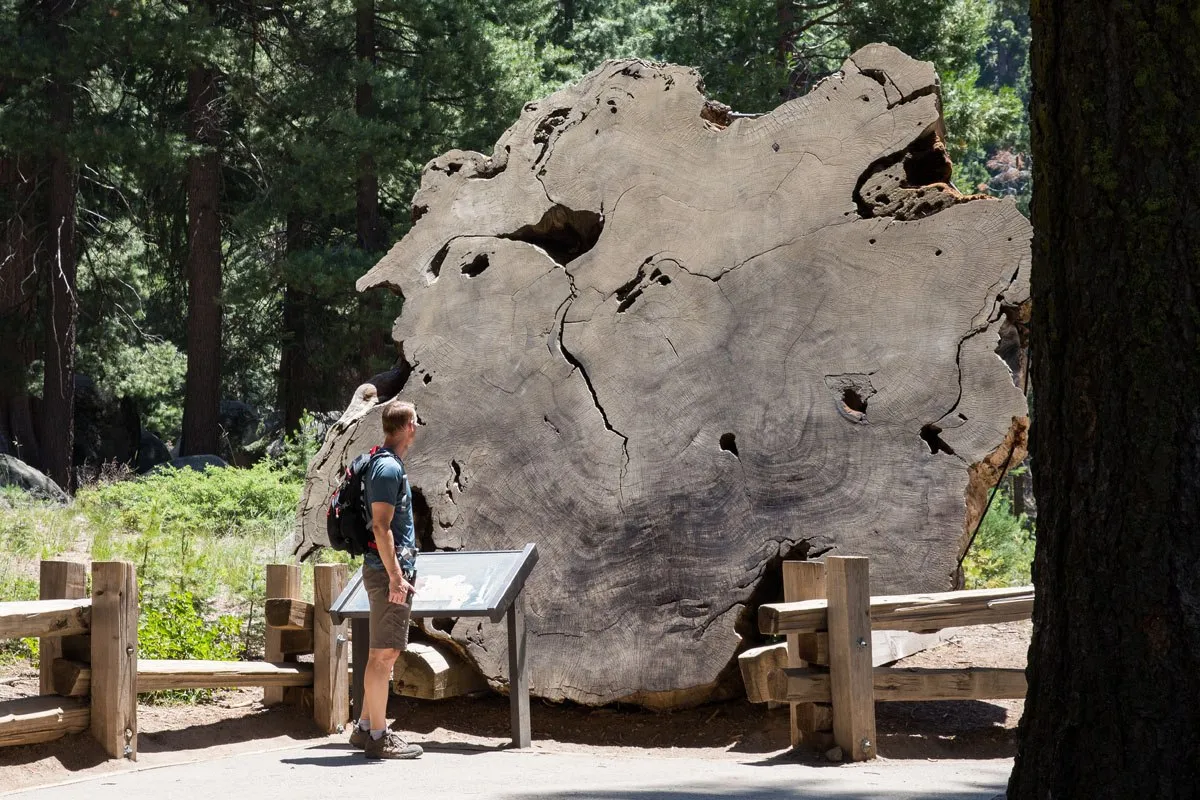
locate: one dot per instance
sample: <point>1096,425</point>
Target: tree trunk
<point>1114,666</point>
<point>684,350</point>
<point>295,367</point>
<point>58,386</point>
<point>370,226</point>
<point>18,305</point>
<point>201,431</point>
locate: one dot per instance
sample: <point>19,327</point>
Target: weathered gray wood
<point>331,651</point>
<point>805,580</point>
<point>850,684</point>
<point>518,674</point>
<point>44,618</point>
<point>31,720</point>
<point>917,612</point>
<point>690,346</point>
<point>283,580</point>
<point>434,671</point>
<point>289,614</point>
<point>154,675</point>
<point>360,649</point>
<point>757,664</point>
<point>114,661</point>
<point>891,683</point>
<point>59,580</point>
<point>70,678</point>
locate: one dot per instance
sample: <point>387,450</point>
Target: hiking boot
<point>359,738</point>
<point>391,746</point>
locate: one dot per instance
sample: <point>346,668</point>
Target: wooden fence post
<point>60,580</point>
<point>811,723</point>
<point>331,653</point>
<point>114,657</point>
<point>283,580</point>
<point>850,669</point>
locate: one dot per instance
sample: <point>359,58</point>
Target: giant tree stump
<point>672,347</point>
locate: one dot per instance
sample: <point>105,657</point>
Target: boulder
<point>151,452</point>
<point>14,472</point>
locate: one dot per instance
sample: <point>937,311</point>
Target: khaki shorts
<point>389,621</point>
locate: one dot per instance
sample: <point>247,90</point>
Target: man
<point>388,572</point>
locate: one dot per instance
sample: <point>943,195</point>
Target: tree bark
<point>1114,665</point>
<point>201,431</point>
<point>684,350</point>
<point>58,385</point>
<point>370,225</point>
<point>18,305</point>
<point>295,367</point>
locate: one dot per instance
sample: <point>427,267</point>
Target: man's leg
<point>375,687</point>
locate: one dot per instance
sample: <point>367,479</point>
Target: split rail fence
<point>830,681</point>
<point>90,674</point>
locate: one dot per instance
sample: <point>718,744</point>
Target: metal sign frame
<point>351,605</point>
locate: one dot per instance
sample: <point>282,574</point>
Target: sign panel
<point>453,584</point>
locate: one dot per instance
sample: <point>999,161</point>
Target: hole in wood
<point>853,401</point>
<point>564,233</point>
<point>427,379</point>
<point>932,435</point>
<point>729,443</point>
<point>476,267</point>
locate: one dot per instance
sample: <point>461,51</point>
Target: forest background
<point>189,191</point>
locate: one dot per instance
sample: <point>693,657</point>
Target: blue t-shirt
<point>386,482</point>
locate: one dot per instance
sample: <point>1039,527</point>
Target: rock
<point>673,347</point>
<point>198,463</point>
<point>241,429</point>
<point>834,754</point>
<point>151,452</point>
<point>107,429</point>
<point>14,472</point>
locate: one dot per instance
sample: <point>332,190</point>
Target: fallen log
<point>673,348</point>
<point>434,672</point>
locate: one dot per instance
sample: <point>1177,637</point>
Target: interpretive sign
<point>455,584</point>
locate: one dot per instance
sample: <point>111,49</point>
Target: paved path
<point>327,771</point>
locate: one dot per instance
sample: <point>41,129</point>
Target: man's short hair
<point>396,416</point>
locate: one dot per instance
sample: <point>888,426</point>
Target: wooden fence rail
<point>831,680</point>
<point>90,673</point>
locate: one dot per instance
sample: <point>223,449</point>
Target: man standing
<point>388,573</point>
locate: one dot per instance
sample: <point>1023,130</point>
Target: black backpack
<point>347,523</point>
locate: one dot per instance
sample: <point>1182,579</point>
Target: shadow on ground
<point>961,729</point>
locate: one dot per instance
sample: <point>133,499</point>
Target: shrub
<point>175,626</point>
<point>219,500</point>
<point>1002,553</point>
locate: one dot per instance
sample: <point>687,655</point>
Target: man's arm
<point>399,589</point>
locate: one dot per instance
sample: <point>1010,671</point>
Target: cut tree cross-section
<point>673,347</point>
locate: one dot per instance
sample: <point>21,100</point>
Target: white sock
<point>377,735</point>
<point>363,725</point>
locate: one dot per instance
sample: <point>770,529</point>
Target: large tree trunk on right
<point>1112,709</point>
<point>201,431</point>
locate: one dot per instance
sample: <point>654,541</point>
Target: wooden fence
<point>90,674</point>
<point>830,680</point>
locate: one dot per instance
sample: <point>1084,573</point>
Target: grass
<point>200,542</point>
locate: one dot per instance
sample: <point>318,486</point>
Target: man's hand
<point>399,590</point>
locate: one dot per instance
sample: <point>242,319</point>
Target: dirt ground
<point>235,721</point>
